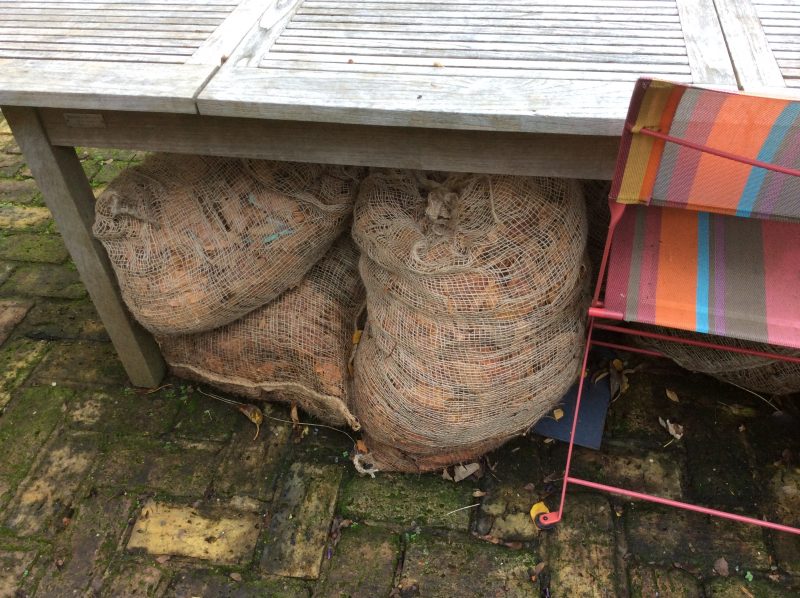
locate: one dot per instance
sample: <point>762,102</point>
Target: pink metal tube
<point>687,341</point>
<point>715,152</point>
<point>682,505</point>
<point>550,518</point>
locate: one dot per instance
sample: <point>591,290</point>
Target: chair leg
<point>548,520</point>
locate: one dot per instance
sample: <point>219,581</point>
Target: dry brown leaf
<point>479,494</point>
<point>558,413</point>
<point>675,430</point>
<point>672,396</point>
<point>361,446</point>
<point>617,364</point>
<point>721,567</point>
<point>236,576</point>
<point>163,559</point>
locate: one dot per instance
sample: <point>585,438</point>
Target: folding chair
<point>704,234</point>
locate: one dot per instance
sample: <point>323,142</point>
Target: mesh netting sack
<point>296,347</point>
<point>197,242</point>
<point>759,374</point>
<point>476,289</point>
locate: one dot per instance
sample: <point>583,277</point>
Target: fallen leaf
<point>479,494</point>
<point>236,576</point>
<point>672,396</point>
<point>721,567</point>
<point>530,486</point>
<point>461,472</point>
<point>357,336</point>
<point>675,430</point>
<point>538,509</point>
<point>618,364</point>
<point>361,446</point>
<point>163,559</point>
<point>558,413</point>
<point>746,592</point>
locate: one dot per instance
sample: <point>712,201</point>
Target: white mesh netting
<point>197,242</point>
<point>296,347</point>
<point>476,289</point>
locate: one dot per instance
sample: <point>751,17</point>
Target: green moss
<point>18,357</point>
<point>408,499</point>
<point>28,421</point>
<point>29,247</point>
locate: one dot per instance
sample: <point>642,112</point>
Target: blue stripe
<point>776,136</point>
<point>703,271</point>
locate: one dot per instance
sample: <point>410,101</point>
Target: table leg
<point>67,192</point>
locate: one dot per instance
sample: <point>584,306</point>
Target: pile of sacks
<point>236,268</point>
<point>475,289</point>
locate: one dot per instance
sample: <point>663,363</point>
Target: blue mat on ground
<point>592,419</point>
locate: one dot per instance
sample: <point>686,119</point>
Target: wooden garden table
<point>532,87</point>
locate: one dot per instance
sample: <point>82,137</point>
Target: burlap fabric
<point>475,300</point>
<point>197,242</point>
<point>295,348</point>
<point>759,374</point>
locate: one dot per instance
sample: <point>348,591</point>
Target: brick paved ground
<point>105,491</point>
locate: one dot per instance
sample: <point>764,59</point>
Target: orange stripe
<point>723,179</point>
<point>658,146</point>
<point>676,290</point>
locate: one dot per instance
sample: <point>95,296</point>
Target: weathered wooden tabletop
<point>549,66</point>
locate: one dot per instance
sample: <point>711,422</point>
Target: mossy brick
<point>633,417</point>
<point>717,462</point>
<point>12,311</point>
<point>248,465</point>
<point>64,320</point>
<point>667,536</point>
<point>27,423</point>
<point>649,582</point>
<point>176,468</point>
<point>19,191</point>
<point>214,534</point>
<point>406,500</point>
<point>10,145</point>
<point>108,154</point>
<point>363,564</point>
<point>738,586</point>
<point>783,506</point>
<point>204,418</point>
<point>133,578</point>
<point>109,170</point>
<point>18,357</point>
<point>301,517</point>
<point>456,565</point>
<point>14,564</point>
<point>23,218</point>
<point>31,247</point>
<point>202,582</point>
<point>90,168</point>
<point>82,551</point>
<point>10,164</point>
<point>656,472</point>
<point>47,494</point>
<point>6,269</point>
<point>116,413</point>
<point>44,280</point>
<point>81,363</point>
<point>580,550</point>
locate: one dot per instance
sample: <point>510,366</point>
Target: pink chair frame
<point>597,311</point>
